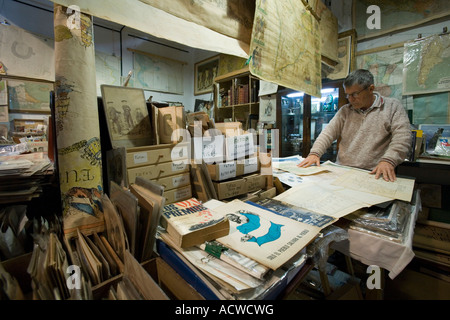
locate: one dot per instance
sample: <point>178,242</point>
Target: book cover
<point>190,223</point>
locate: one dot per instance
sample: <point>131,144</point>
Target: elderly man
<point>374,131</point>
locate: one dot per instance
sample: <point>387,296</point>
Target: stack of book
<point>246,259</point>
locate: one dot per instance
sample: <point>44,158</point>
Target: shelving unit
<point>237,97</point>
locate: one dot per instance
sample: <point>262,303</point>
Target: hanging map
<point>426,65</point>
<point>107,70</point>
<point>432,108</point>
<point>387,69</point>
<point>285,46</point>
<point>157,74</point>
<point>29,96</point>
<point>25,54</point>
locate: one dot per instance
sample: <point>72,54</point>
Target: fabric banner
<point>77,122</point>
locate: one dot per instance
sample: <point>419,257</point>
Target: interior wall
<point>111,38</point>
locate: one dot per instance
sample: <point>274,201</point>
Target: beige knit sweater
<point>382,132</point>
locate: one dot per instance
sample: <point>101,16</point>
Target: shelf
<point>237,73</point>
<point>237,86</point>
<point>239,105</point>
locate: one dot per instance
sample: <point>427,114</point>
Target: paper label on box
<point>178,166</point>
<point>140,157</point>
<point>210,149</point>
<point>182,193</point>
<point>180,181</point>
<point>250,165</point>
<point>179,152</point>
<point>227,170</point>
<point>239,146</point>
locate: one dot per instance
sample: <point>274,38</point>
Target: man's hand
<point>386,169</point>
<point>310,160</point>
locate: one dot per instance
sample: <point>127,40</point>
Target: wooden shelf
<point>236,86</point>
<point>239,105</point>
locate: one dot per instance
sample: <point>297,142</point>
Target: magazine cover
<point>263,235</point>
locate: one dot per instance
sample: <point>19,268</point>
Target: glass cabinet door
<point>301,118</point>
<point>322,111</point>
<point>291,130</point>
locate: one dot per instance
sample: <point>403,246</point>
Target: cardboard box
<point>231,169</point>
<point>173,182</point>
<point>254,182</point>
<point>238,147</point>
<point>246,166</point>
<point>153,172</point>
<point>17,268</point>
<point>228,189</point>
<point>147,155</point>
<point>179,194</point>
<point>168,280</point>
<point>222,171</point>
<point>229,128</point>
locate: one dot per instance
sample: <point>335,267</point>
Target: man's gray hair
<point>360,77</point>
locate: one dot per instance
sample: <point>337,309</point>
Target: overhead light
<point>295,94</point>
<point>327,90</point>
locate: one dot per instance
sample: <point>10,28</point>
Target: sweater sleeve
<point>400,143</point>
<point>331,133</point>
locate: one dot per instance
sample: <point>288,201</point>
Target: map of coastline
<point>426,65</point>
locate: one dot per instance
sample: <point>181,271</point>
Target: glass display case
<point>291,135</point>
<point>301,118</point>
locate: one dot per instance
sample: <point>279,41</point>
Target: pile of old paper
<point>21,176</point>
<point>373,205</point>
<point>262,247</point>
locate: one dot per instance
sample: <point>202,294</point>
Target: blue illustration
<point>252,222</point>
<point>273,234</point>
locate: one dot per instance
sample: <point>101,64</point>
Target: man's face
<point>359,96</point>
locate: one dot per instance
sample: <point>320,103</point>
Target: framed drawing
<point>204,73</point>
<point>29,96</point>
<point>126,116</point>
<point>346,55</point>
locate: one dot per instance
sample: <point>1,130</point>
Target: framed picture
<point>29,96</point>
<point>126,116</point>
<point>204,72</point>
<point>346,55</point>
